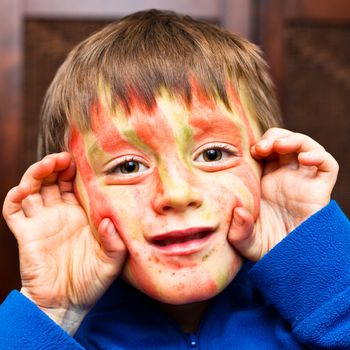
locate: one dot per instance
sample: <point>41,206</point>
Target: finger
<point>295,143</point>
<point>321,159</point>
<point>111,243</point>
<point>62,161</point>
<point>290,160</point>
<point>264,147</point>
<point>241,234</point>
<point>66,178</point>
<point>54,194</point>
<point>13,201</point>
<point>44,170</point>
<point>32,204</point>
<point>50,195</point>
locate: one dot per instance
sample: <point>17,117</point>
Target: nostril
<point>193,204</point>
<point>167,208</point>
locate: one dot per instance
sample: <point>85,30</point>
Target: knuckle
<point>276,133</point>
<point>32,168</point>
<point>302,138</point>
<point>273,131</point>
<point>334,161</point>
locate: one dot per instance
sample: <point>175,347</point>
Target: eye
<point>215,153</point>
<point>127,166</point>
<point>212,155</point>
<point>216,157</point>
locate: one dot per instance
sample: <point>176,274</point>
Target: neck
<point>187,316</point>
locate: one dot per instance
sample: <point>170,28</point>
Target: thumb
<point>242,234</point>
<point>112,245</point>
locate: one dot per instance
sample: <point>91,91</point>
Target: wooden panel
<point>318,10</point>
<point>307,45</point>
<point>47,44</point>
<point>270,37</point>
<point>317,93</point>
<point>236,17</point>
<point>10,131</point>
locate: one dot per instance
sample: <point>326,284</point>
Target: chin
<point>181,287</point>
<point>187,298</point>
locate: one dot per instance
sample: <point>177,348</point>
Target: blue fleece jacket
<point>296,297</point>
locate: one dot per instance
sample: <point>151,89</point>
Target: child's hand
<point>64,270</point>
<point>297,181</point>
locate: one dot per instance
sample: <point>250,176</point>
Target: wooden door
<point>307,44</point>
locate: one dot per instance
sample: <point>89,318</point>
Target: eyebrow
<point>220,125</point>
<point>108,146</point>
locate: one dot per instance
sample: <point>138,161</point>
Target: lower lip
<point>185,248</point>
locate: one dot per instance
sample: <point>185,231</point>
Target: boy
<point>163,169</point>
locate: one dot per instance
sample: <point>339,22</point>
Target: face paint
<point>169,179</point>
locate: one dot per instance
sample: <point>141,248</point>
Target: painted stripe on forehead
<point>209,119</point>
<point>106,131</point>
<point>164,126</point>
<point>165,130</point>
<point>241,112</point>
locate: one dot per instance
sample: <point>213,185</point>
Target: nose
<point>175,194</point>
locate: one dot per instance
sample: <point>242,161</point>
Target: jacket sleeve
<point>307,278</point>
<point>24,326</point>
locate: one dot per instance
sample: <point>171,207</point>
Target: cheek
<point>86,186</point>
<point>127,209</point>
<point>250,186</point>
<point>96,204</point>
<point>239,186</point>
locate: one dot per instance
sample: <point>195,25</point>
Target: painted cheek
<point>99,205</point>
<point>137,276</point>
<point>251,183</point>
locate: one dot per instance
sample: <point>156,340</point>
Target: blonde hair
<point>143,53</point>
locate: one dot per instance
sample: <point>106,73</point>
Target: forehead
<point>171,120</point>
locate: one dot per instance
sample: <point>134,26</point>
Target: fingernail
<point>283,140</point>
<point>262,143</point>
<point>238,219</point>
<point>111,229</point>
<point>306,154</point>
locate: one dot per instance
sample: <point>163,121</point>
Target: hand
<point>64,269</point>
<point>297,181</point>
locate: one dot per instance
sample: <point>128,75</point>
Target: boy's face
<point>169,180</point>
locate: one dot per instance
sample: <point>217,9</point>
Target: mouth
<point>183,242</point>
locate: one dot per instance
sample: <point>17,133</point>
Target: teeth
<point>175,240</point>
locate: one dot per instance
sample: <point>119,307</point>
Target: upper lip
<point>184,233</point>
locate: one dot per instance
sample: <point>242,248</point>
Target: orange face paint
<point>169,178</point>
<point>233,95</point>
